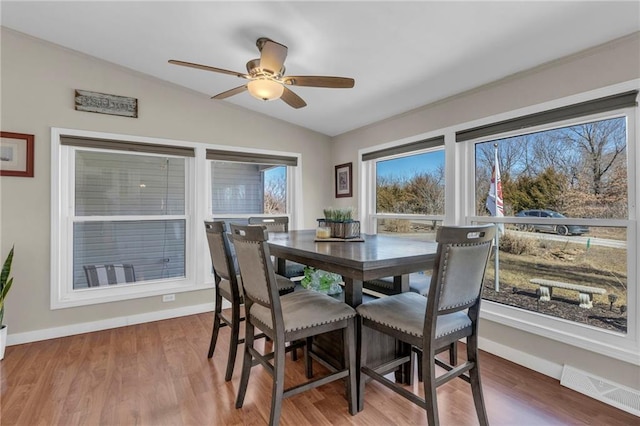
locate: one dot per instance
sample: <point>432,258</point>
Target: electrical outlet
<point>169,298</point>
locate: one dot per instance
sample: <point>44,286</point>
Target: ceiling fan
<point>266,76</point>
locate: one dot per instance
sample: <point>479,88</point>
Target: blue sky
<point>404,167</point>
<point>274,173</point>
<point>407,167</point>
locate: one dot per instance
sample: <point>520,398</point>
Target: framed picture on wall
<point>16,154</point>
<point>344,186</point>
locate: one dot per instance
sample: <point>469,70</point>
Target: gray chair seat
<point>304,309</point>
<point>405,312</point>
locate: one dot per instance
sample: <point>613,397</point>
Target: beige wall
<point>598,67</point>
<point>38,82</point>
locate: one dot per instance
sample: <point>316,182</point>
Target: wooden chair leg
<point>216,325</point>
<point>453,358</point>
<point>308,362</point>
<point>247,363</point>
<point>474,376</point>
<point>430,394</point>
<point>362,378</point>
<point>349,343</point>
<point>277,393</point>
<point>233,344</point>
<point>453,353</point>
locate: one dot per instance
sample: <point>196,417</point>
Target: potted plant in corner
<point>5,286</point>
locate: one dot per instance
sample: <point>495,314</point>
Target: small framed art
<point>344,185</point>
<point>16,154</point>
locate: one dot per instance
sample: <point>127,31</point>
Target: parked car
<point>557,229</point>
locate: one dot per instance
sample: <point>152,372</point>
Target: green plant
<point>5,282</point>
<point>338,215</point>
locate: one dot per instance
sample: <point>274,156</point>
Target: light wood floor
<point>158,374</point>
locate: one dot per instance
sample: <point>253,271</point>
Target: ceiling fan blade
<point>272,55</point>
<point>207,68</point>
<point>292,99</point>
<point>318,81</point>
<point>231,92</point>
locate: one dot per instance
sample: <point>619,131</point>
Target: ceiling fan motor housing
<point>254,70</point>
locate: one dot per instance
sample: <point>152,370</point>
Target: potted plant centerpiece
<point>5,286</point>
<point>341,223</point>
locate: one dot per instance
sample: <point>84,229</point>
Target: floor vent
<point>619,396</point>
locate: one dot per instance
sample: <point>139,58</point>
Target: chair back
<point>273,224</point>
<point>256,268</point>
<point>220,250</point>
<point>99,275</point>
<point>461,260</point>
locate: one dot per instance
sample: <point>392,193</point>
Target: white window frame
<point>369,222</point>
<point>198,274</point>
<point>460,209</point>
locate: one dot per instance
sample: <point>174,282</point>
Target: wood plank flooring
<point>158,374</point>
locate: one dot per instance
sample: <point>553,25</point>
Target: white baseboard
<point>540,365</point>
<point>87,327</point>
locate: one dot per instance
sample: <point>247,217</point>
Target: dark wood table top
<point>378,256</point>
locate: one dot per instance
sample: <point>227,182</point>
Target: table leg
<point>401,283</point>
<point>281,267</point>
<point>352,291</point>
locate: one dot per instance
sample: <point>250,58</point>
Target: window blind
<point>401,149</point>
<point>608,103</point>
<point>250,157</point>
<point>127,146</point>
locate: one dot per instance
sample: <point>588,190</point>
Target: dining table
<point>359,260</point>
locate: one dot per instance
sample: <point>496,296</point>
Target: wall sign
<point>106,104</point>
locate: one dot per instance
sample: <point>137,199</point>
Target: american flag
<point>495,203</point>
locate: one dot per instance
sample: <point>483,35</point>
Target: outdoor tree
<point>275,196</point>
<point>601,144</point>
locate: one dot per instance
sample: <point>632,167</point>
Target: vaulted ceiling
<point>402,55</point>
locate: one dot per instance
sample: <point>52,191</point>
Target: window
<point>249,184</point>
<point>126,217</point>
<point>409,188</point>
<point>127,211</point>
<point>575,171</point>
<point>240,188</point>
<point>568,186</point>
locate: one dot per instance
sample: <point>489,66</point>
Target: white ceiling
<point>402,55</point>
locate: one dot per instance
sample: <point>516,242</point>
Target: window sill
<point>115,293</point>
<point>604,342</point>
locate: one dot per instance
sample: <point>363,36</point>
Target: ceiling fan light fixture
<point>265,89</point>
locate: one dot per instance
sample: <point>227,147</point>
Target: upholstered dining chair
<point>229,286</point>
<point>279,224</point>
<point>297,316</point>
<point>448,313</point>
